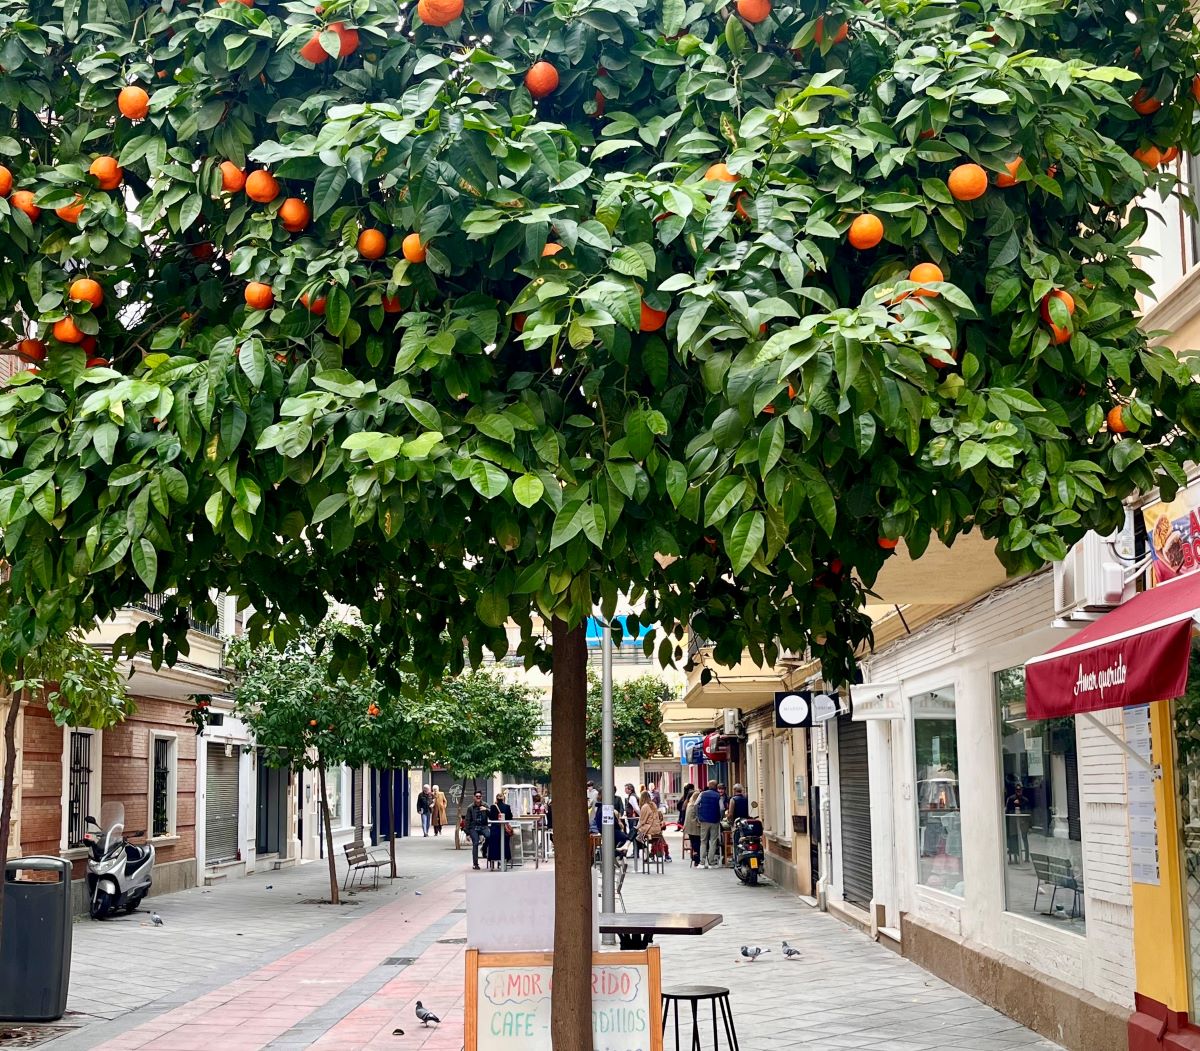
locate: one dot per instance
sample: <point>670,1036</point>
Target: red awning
<point>714,748</point>
<point>1137,653</point>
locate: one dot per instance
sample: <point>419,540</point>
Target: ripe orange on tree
<point>259,296</point>
<point>1116,420</point>
<point>887,543</point>
<point>652,320</point>
<point>967,182</point>
<point>32,349</point>
<point>413,248</point>
<point>551,248</point>
<point>439,12</point>
<point>372,244</point>
<point>85,290</point>
<point>70,213</point>
<point>313,50</point>
<point>97,363</point>
<point>843,31</point>
<point>312,722</point>
<point>66,331</point>
<point>924,273</point>
<point>1009,178</point>
<point>542,79</point>
<point>1144,103</point>
<point>347,39</point>
<point>1065,298</point>
<point>866,231</point>
<point>294,214</point>
<point>314,306</point>
<point>720,172</point>
<point>754,11</point>
<point>739,206</point>
<point>107,171</point>
<point>88,345</point>
<point>392,305</point>
<point>1169,154</point>
<point>6,181</point>
<point>22,200</point>
<point>133,102</point>
<point>1150,156</point>
<point>233,179</point>
<point>262,186</point>
<point>1196,87</point>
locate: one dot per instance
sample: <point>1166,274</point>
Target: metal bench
<point>359,864</point>
<point>1057,874</point>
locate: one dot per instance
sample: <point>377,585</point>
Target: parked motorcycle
<point>119,873</point>
<point>748,849</point>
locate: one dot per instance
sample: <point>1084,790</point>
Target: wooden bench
<point>359,863</point>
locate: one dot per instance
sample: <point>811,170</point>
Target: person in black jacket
<point>425,808</point>
<point>477,825</point>
<point>499,831</point>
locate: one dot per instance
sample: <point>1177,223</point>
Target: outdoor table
<point>636,930</point>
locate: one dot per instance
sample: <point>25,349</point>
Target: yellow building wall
<point>1159,923</point>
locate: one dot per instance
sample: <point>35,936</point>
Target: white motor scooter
<point>119,874</point>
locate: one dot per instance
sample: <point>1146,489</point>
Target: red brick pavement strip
<point>249,1013</point>
<point>436,979</point>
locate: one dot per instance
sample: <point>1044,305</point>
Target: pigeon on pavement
<point>425,1015</point>
<point>752,952</point>
<point>790,953</point>
<point>156,919</point>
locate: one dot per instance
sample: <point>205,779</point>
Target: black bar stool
<point>693,994</point>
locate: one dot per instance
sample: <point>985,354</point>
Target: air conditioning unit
<point>1093,577</point>
<point>732,719</point>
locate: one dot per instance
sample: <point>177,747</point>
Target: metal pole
<point>608,829</point>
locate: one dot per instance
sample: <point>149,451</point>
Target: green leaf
<point>528,490</point>
<point>723,498</point>
<point>770,446</point>
<point>327,189</point>
<point>629,262</point>
<point>329,506</point>
<point>145,561</point>
<point>745,539</point>
<point>820,499</point>
<point>489,481</point>
<point>970,453</point>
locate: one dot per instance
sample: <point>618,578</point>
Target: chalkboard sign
<point>508,1001</point>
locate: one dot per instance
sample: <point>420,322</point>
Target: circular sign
<point>793,709</point>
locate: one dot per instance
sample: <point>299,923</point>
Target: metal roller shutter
<point>856,813</point>
<point>221,805</point>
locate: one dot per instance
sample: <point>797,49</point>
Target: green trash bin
<point>35,944</point>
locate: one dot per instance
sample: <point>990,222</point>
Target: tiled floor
<point>246,967</point>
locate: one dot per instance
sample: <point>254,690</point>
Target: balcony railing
<point>155,603</point>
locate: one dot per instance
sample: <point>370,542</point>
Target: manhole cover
<point>399,961</point>
<point>452,941</point>
<point>29,1035</point>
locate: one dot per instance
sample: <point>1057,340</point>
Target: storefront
<point>999,843</point>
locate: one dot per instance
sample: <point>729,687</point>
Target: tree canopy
<point>584,311</point>
<point>637,718</point>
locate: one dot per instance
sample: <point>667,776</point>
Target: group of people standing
<point>490,828</point>
<point>701,813</point>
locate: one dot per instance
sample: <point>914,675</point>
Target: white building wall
<point>963,651</point>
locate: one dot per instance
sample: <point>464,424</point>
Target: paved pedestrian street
<point>250,964</point>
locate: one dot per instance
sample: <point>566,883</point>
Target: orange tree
<point>476,315</point>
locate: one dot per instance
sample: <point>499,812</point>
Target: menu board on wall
<point>508,1001</point>
<point>1173,529</point>
<point>1143,821</point>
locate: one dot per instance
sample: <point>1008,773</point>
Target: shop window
<point>333,788</point>
<point>163,765</point>
<point>939,819</point>
<point>1039,794</point>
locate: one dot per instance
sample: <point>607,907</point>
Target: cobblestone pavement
<point>247,965</point>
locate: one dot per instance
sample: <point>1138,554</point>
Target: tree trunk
<point>334,896</point>
<point>462,791</point>
<point>10,776</point>
<point>391,798</point>
<point>571,1000</point>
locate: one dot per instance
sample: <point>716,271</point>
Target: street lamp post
<point>608,828</point>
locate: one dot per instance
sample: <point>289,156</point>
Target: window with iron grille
<point>79,791</point>
<point>164,770</point>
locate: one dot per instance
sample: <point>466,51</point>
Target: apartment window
<point>939,820</point>
<point>163,772</point>
<point>1043,839</point>
<point>82,783</point>
<point>333,788</point>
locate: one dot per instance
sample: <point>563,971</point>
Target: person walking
<point>708,812</point>
<point>499,831</point>
<point>691,824</point>
<point>477,826</point>
<point>438,807</point>
<point>650,824</point>
<point>424,808</point>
